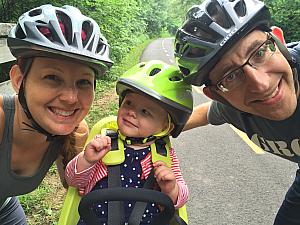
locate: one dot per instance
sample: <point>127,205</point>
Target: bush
<point>286,14</point>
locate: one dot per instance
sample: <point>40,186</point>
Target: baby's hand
<point>164,177</point>
<point>97,149</point>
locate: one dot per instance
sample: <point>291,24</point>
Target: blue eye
<point>146,112</point>
<point>52,77</point>
<point>84,83</point>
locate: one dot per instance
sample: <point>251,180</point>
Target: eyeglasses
<point>257,59</point>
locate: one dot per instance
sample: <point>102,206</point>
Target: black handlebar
<point>125,194</point>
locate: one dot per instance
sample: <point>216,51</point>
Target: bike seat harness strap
<point>116,214</point>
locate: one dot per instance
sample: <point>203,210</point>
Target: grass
<point>42,206</point>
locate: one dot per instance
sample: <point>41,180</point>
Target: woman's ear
<point>16,77</point>
<point>207,92</point>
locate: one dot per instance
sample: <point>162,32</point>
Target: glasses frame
<point>219,84</point>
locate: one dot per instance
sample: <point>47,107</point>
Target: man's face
<point>267,90</point>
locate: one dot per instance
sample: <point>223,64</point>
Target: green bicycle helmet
<point>164,84</point>
<point>211,29</point>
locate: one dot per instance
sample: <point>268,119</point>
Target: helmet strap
<point>34,126</point>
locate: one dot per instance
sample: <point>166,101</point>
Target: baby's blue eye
<point>146,112</point>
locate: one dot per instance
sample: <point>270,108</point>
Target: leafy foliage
<point>125,23</point>
<point>286,14</point>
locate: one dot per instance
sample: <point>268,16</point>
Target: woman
<point>59,52</point>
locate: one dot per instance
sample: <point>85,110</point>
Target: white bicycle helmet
<point>211,29</point>
<point>60,32</point>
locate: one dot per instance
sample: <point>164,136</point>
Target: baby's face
<point>140,116</point>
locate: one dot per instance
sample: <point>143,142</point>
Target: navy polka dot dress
<point>131,173</point>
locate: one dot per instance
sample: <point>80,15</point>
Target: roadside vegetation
<point>129,26</point>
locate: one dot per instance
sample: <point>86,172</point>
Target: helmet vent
<point>41,22</point>
<point>35,12</point>
<point>175,78</point>
<point>101,47</point>
<point>154,71</point>
<point>240,9</point>
<point>205,34</point>
<point>219,15</point>
<point>87,30</point>
<point>19,32</point>
<point>46,32</point>
<point>197,52</point>
<point>65,24</point>
<point>185,71</point>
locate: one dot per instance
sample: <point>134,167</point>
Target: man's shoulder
<point>220,113</point>
<point>294,49</point>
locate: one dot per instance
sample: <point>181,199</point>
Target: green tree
<point>286,14</point>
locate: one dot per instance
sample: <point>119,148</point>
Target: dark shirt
<point>11,183</point>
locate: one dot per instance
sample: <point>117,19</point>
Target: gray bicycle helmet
<point>164,84</point>
<point>211,29</point>
<point>60,32</point>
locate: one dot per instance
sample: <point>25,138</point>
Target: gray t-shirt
<point>11,183</point>
<point>277,137</point>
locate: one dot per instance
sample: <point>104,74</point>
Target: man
<point>252,77</point>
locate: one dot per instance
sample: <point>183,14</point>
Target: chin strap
<point>142,140</point>
<point>34,126</point>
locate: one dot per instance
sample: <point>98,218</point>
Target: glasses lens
<point>263,54</point>
<point>258,58</point>
<point>231,80</point>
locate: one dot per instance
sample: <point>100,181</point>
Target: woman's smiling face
<point>59,93</point>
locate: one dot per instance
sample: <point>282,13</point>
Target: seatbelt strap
<point>116,214</point>
<point>140,207</point>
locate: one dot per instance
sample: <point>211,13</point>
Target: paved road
<point>229,183</point>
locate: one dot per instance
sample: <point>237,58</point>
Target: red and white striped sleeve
<point>86,179</point>
<point>183,189</point>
